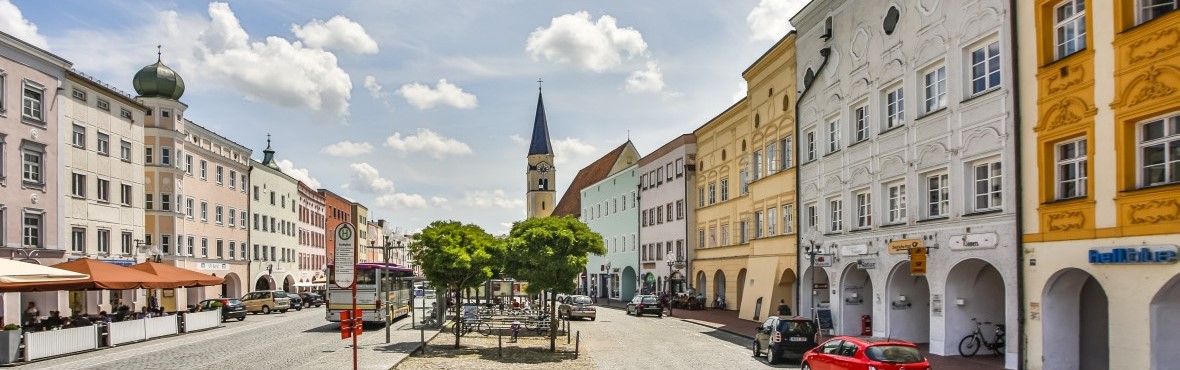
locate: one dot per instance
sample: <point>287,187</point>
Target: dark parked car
<point>783,337</point>
<point>312,299</point>
<point>230,308</point>
<point>642,304</point>
<point>856,353</point>
<point>296,302</point>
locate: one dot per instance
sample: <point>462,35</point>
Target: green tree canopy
<point>550,252</point>
<point>455,255</point>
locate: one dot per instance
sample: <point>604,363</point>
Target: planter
<point>9,346</point>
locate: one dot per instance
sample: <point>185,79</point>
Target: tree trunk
<point>459,316</point>
<point>552,321</point>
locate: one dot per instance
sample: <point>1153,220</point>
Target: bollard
<point>500,341</point>
<point>578,345</point>
<point>567,332</point>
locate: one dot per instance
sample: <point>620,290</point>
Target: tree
<point>550,253</point>
<point>455,255</point>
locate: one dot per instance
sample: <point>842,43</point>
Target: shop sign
<point>819,286</point>
<point>918,261</point>
<point>1136,254</point>
<point>904,246</point>
<point>823,260</point>
<point>973,241</point>
<point>854,250</point>
<point>215,266</point>
<point>866,264</point>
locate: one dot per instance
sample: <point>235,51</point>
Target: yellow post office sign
<point>904,246</point>
<point>918,261</point>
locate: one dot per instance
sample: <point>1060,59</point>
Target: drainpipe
<point>1013,7</point>
<point>798,166</point>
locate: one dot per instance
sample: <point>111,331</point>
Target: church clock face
<point>544,167</point>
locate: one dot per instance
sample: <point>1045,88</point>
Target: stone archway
<point>811,297</point>
<point>741,289</point>
<point>856,291</point>
<point>702,288</point>
<point>974,289</point>
<point>232,287</point>
<point>784,291</point>
<point>289,283</point>
<point>1165,325</point>
<point>1074,322</point>
<point>718,286</point>
<point>909,305</point>
<point>264,282</point>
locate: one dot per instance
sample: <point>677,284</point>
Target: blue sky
<point>420,109</point>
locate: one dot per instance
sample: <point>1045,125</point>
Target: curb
<point>434,333</point>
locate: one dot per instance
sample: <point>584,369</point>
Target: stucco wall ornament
<point>1154,44</point>
<point>1066,221</point>
<point>1063,114</point>
<point>1059,82</point>
<point>1156,211</point>
<point>1154,88</point>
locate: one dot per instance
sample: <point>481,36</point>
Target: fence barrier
<point>201,320</point>
<point>162,326</point>
<point>44,344</point>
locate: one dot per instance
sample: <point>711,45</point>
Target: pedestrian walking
<point>594,294</point>
<point>783,308</point>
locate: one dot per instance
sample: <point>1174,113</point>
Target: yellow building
<point>1101,176</point>
<point>745,186</point>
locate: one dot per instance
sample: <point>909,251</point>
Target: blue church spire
<point>540,143</point>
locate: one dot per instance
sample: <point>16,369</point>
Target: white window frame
<point>835,214</point>
<point>102,189</point>
<point>188,164</point>
<point>992,179</point>
<point>788,219</point>
<point>864,208</point>
<point>220,172</point>
<point>104,143</point>
<point>33,108</point>
<point>810,135</point>
<point>204,211</point>
<point>756,160</point>
<point>772,158</point>
<point>32,171</point>
<point>759,223</point>
<point>78,137</point>
<point>1170,135</point>
<point>189,207</point>
<point>712,193</point>
<point>103,237</point>
<point>812,210</point>
<point>103,105</point>
<point>33,235</point>
<point>934,88</point>
<point>1143,13</point>
<point>833,127</point>
<point>788,144</point>
<point>1075,166</point>
<point>1067,39</point>
<point>204,168</point>
<point>894,106</point>
<point>125,150</point>
<point>860,115</point>
<point>218,214</point>
<point>772,221</point>
<point>126,193</point>
<point>937,197</point>
<point>148,155</point>
<point>897,209</point>
<point>991,64</point>
<point>724,189</point>
<point>78,239</point>
<point>78,185</point>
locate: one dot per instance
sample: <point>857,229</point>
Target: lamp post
<point>672,263</point>
<point>381,280</point>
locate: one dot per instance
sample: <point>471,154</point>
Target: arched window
<point>757,120</point>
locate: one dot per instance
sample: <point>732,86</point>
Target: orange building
<point>338,210</point>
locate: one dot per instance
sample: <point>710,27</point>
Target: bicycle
<point>970,344</point>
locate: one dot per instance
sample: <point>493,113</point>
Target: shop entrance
<point>856,290</point>
<point>741,289</point>
<point>974,289</point>
<point>1075,322</point>
<point>909,305</point>
<point>1165,325</point>
<point>718,287</point>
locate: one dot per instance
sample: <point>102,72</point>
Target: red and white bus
<point>396,289</point>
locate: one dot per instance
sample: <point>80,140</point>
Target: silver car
<point>577,306</point>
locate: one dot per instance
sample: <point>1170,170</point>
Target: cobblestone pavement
<point>293,340</point>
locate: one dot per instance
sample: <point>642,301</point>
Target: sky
<point>422,110</point>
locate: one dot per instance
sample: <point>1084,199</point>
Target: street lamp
<point>672,263</point>
<point>381,280</point>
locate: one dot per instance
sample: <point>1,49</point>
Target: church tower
<point>541,196</point>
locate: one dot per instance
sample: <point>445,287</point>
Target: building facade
<point>610,208</point>
<point>274,208</point>
<point>312,239</point>
<point>540,191</point>
<point>360,221</point>
<point>30,184</point>
<point>664,176</point>
<point>1101,282</point>
<point>103,213</point>
<point>907,199</point>
<point>337,210</point>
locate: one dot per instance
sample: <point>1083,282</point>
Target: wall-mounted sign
<point>973,241</point>
<point>866,264</point>
<point>854,250</point>
<point>918,261</point>
<point>1136,254</point>
<point>823,260</point>
<point>904,246</point>
<point>819,286</point>
<point>212,266</point>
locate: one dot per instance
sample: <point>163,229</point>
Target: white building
<point>664,197</point>
<point>906,140</point>
<point>103,207</point>
<point>274,212</point>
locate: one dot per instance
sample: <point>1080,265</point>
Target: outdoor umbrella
<point>12,271</point>
<point>102,276</point>
<point>184,277</point>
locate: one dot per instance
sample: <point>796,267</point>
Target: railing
<point>161,326</point>
<point>59,342</point>
<point>201,320</point>
<point>127,331</point>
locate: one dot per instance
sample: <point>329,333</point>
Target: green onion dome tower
<point>157,80</point>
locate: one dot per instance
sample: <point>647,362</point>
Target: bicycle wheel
<point>969,346</point>
<point>485,329</point>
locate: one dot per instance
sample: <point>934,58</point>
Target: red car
<point>865,353</point>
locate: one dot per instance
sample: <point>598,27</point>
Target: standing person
<point>31,313</point>
<point>668,303</point>
<point>783,308</point>
<point>594,294</point>
<point>153,303</point>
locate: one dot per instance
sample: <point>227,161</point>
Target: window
<point>1069,26</point>
<point>205,247</point>
<point>660,176</point>
<point>835,215</point>
<point>256,192</point>
<point>788,219</point>
<point>861,115</point>
<point>897,206</point>
<point>217,214</point>
<point>204,169</point>
<point>242,254</point>
<point>78,185</point>
<point>220,249</point>
<point>864,209</point>
<point>220,175</point>
<point>700,238</point>
<point>32,101</point>
<point>937,195</point>
<point>985,67</point>
<point>771,221</point>
<point>1152,9</point>
<point>243,183</point>
<point>188,164</point>
<point>894,108</point>
<point>724,190</point>
<point>32,162</point>
<point>104,105</point>
<point>935,82</point>
<point>1159,151</point>
<point>679,167</point>
<point>31,229</point>
<point>191,244</point>
<point>744,233</point>
<point>125,150</point>
<point>988,185</point>
<point>1071,169</point>
<point>744,179</point>
<point>233,179</point>
<point>724,236</point>
<point>165,202</point>
<point>772,158</point>
<point>759,222</point>
<point>104,241</point>
<point>148,155</point>
<point>204,211</point>
<point>79,137</point>
<point>78,239</point>
<point>126,114</point>
<point>812,216</point>
<point>166,156</point>
<point>668,171</point>
<point>147,201</point>
<point>104,190</point>
<point>233,249</point>
<point>243,219</point>
<point>104,143</point>
<point>232,217</point>
<point>833,136</point>
<point>272,197</point>
<point>125,242</point>
<point>188,207</point>
<point>256,223</point>
<point>701,197</point>
<point>643,181</point>
<point>79,94</point>
<point>712,193</point>
<point>125,194</point>
<point>787,159</point>
<point>810,145</point>
<point>680,209</point>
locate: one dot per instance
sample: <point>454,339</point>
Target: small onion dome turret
<point>157,80</point>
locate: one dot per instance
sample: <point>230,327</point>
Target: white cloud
<point>347,149</point>
<point>570,148</point>
<point>516,138</point>
<point>338,33</point>
<point>741,92</point>
<point>373,87</point>
<point>428,142</point>
<point>367,179</point>
<point>593,45</point>
<point>438,201</point>
<point>401,201</point>
<point>277,70</point>
<point>770,20</point>
<point>301,174</point>
<point>14,23</point>
<point>445,93</point>
<point>647,80</point>
<point>489,199</point>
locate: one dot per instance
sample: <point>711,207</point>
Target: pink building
<point>312,254</point>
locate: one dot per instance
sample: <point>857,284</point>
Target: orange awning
<point>184,277</point>
<point>102,276</point>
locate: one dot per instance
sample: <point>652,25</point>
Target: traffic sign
<point>343,272</point>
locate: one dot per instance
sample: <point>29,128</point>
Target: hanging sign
<point>918,261</point>
<point>903,246</point>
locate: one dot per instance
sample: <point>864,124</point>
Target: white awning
<point>12,271</point>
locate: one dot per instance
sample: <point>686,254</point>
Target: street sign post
<point>345,276</point>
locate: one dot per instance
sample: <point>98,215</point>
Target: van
<point>265,301</point>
